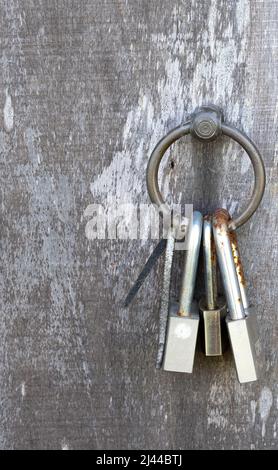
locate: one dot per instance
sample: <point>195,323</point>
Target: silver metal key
<point>240,322</point>
<point>212,307</point>
<point>183,321</point>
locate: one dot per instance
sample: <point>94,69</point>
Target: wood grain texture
<point>87,89</point>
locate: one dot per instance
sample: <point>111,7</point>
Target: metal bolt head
<point>206,123</point>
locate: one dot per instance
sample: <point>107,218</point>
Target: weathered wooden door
<point>87,89</point>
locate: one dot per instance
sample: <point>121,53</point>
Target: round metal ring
<point>233,133</point>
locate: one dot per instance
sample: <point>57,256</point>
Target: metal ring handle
<point>206,125</point>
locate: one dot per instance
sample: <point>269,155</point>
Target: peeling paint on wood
<point>87,90</point>
<point>8,113</point>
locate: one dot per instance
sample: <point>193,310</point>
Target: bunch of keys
<point>179,321</point>
<point>177,354</point>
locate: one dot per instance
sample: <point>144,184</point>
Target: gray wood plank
<point>87,89</point>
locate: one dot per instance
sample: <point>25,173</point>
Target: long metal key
<point>241,327</point>
<point>212,307</point>
<point>183,320</point>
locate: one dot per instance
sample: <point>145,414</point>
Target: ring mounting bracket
<point>206,124</point>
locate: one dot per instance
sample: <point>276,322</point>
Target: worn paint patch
<point>8,113</point>
<point>216,409</point>
<point>253,406</point>
<point>265,404</point>
<point>124,179</point>
<point>245,164</point>
<point>64,445</point>
<point>216,418</point>
<point>23,389</point>
<point>33,151</point>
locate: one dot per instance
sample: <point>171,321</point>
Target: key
<point>241,322</point>
<point>249,309</point>
<point>164,303</point>
<point>212,307</point>
<point>183,320</point>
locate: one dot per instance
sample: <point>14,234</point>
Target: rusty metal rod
<point>226,263</point>
<point>209,264</point>
<point>239,269</point>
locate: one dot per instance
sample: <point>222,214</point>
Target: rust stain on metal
<point>213,253</point>
<point>237,258</point>
<point>220,220</point>
<point>181,313</point>
<point>221,217</point>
